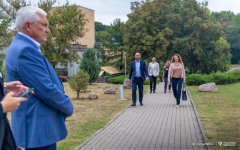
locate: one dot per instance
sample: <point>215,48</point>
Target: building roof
<point>110,70</point>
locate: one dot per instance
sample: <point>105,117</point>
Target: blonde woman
<point>165,77</point>
<point>177,73</point>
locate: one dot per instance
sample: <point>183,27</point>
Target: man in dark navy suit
<point>9,103</point>
<point>137,75</point>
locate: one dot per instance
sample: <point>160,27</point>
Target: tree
<point>111,49</point>
<point>4,25</point>
<point>162,28</point>
<point>233,37</point>
<point>79,82</point>
<point>146,31</point>
<point>66,24</point>
<point>224,17</point>
<point>100,27</point>
<point>90,64</point>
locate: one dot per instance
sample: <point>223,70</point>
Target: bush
<point>223,78</point>
<point>90,64</point>
<point>117,79</point>
<point>79,82</point>
<point>235,73</point>
<point>227,78</point>
<point>120,80</point>
<point>196,79</point>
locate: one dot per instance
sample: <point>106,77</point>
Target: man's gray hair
<point>28,13</point>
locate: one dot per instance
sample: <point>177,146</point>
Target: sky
<point>108,10</point>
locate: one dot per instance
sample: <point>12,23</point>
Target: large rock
<point>126,84</point>
<point>110,91</point>
<point>93,96</point>
<point>209,87</point>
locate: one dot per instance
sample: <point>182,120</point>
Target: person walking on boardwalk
<point>165,77</point>
<point>153,70</point>
<point>137,73</point>
<point>177,73</point>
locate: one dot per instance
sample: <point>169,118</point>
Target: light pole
<point>125,53</point>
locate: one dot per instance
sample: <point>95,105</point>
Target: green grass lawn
<point>219,114</point>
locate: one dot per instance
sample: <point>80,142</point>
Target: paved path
<point>158,124</point>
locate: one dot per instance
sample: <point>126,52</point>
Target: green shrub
<point>120,80</point>
<point>227,78</point>
<point>219,78</point>
<point>79,82</point>
<point>117,79</point>
<point>196,79</point>
<point>235,73</point>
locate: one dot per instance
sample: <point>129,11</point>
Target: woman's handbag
<point>184,93</point>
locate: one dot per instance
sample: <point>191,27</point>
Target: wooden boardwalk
<point>158,124</point>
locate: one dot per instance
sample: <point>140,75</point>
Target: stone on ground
<point>209,87</point>
<point>110,91</point>
<point>93,96</point>
<point>126,84</point>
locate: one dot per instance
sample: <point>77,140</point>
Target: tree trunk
<point>78,91</point>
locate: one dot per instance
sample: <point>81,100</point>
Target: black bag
<point>184,93</point>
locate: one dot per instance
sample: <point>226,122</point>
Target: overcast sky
<point>108,10</point>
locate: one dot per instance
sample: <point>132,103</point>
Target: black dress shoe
<point>133,105</point>
<point>141,104</point>
<point>153,91</point>
<point>150,91</point>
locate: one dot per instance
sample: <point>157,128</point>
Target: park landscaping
<point>219,114</point>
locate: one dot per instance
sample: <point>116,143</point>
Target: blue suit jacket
<point>40,121</point>
<point>143,70</point>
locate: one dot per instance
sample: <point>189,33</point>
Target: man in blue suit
<point>38,123</point>
<point>138,71</point>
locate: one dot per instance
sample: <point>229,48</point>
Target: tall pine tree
<point>90,64</point>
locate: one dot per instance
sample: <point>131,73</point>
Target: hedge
<point>195,79</point>
<point>120,80</point>
<point>220,79</point>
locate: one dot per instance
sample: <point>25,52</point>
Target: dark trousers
<point>49,147</point>
<point>153,80</point>
<point>137,81</point>
<point>177,88</point>
<point>166,83</point>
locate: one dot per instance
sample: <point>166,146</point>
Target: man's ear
<point>26,26</point>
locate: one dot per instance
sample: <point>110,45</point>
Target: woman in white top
<point>153,70</point>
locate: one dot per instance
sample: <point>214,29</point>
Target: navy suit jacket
<point>143,70</point>
<point>40,121</point>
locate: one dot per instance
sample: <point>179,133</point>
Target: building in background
<point>81,43</point>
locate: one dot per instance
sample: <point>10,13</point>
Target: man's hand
<point>169,82</point>
<point>11,103</point>
<point>147,78</point>
<point>16,87</point>
<point>129,81</point>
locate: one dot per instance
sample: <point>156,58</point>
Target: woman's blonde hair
<point>179,58</point>
<point>166,64</point>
